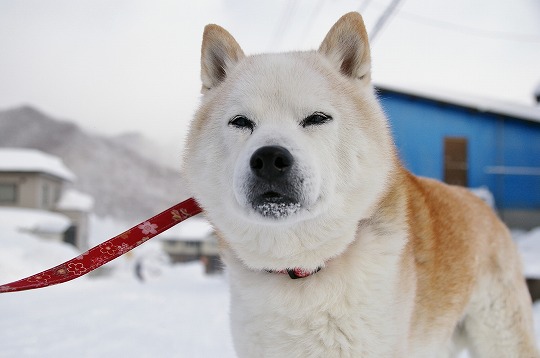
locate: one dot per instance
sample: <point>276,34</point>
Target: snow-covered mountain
<point>124,183</point>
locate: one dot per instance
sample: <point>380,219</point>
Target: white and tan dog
<point>292,160</point>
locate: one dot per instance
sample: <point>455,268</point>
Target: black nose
<point>271,162</point>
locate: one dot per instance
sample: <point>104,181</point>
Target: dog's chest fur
<point>325,315</point>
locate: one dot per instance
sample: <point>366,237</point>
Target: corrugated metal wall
<point>503,152</point>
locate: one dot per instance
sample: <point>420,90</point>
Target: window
<point>8,193</point>
<point>45,202</point>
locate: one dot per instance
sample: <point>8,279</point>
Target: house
<point>76,206</point>
<point>471,142</point>
<point>193,240</point>
<point>38,183</point>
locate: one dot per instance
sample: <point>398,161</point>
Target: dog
<point>334,249</point>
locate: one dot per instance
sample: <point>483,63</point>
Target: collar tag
<point>296,272</point>
<point>301,273</point>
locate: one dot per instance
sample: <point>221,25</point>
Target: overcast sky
<point>118,66</point>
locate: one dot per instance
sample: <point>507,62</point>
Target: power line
<point>286,15</point>
<point>500,35</point>
<point>448,25</point>
<point>311,19</point>
<point>381,21</point>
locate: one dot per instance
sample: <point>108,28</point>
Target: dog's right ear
<point>346,45</point>
<point>219,53</point>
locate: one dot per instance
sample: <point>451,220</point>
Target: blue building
<point>471,142</point>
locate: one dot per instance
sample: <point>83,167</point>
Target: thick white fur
<point>355,221</point>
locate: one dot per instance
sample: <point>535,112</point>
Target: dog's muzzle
<point>274,185</point>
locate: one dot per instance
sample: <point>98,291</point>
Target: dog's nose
<point>271,162</point>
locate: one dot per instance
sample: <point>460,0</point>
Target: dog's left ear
<point>219,53</point>
<point>347,46</point>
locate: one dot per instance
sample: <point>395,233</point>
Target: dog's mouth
<point>275,205</point>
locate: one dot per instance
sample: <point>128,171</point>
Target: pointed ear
<point>219,53</point>
<point>347,46</point>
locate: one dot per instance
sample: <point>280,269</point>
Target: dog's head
<point>288,151</point>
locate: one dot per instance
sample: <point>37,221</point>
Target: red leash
<point>109,250</point>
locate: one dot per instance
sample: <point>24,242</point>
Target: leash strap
<point>108,250</point>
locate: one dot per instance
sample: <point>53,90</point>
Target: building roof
<point>486,105</point>
<point>32,161</point>
<point>72,199</point>
<point>194,229</point>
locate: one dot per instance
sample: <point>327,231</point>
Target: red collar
<point>296,272</point>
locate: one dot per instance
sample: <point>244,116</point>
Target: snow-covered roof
<point>72,199</point>
<point>529,246</point>
<point>485,194</point>
<point>33,220</point>
<point>189,230</point>
<point>530,113</point>
<point>32,160</point>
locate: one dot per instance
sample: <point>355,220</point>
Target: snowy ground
<point>180,314</point>
<point>176,312</point>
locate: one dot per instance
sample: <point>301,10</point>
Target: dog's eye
<point>242,122</point>
<point>315,119</point>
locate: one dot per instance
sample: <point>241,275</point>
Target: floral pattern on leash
<point>76,268</point>
<point>148,228</point>
<point>44,278</point>
<point>180,214</point>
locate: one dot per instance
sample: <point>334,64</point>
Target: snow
<point>72,199</point>
<point>485,194</point>
<point>194,229</point>
<point>31,160</point>
<point>278,210</point>
<point>33,220</point>
<point>181,313</point>
<point>176,311</point>
<point>482,104</point>
<point>529,246</point>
